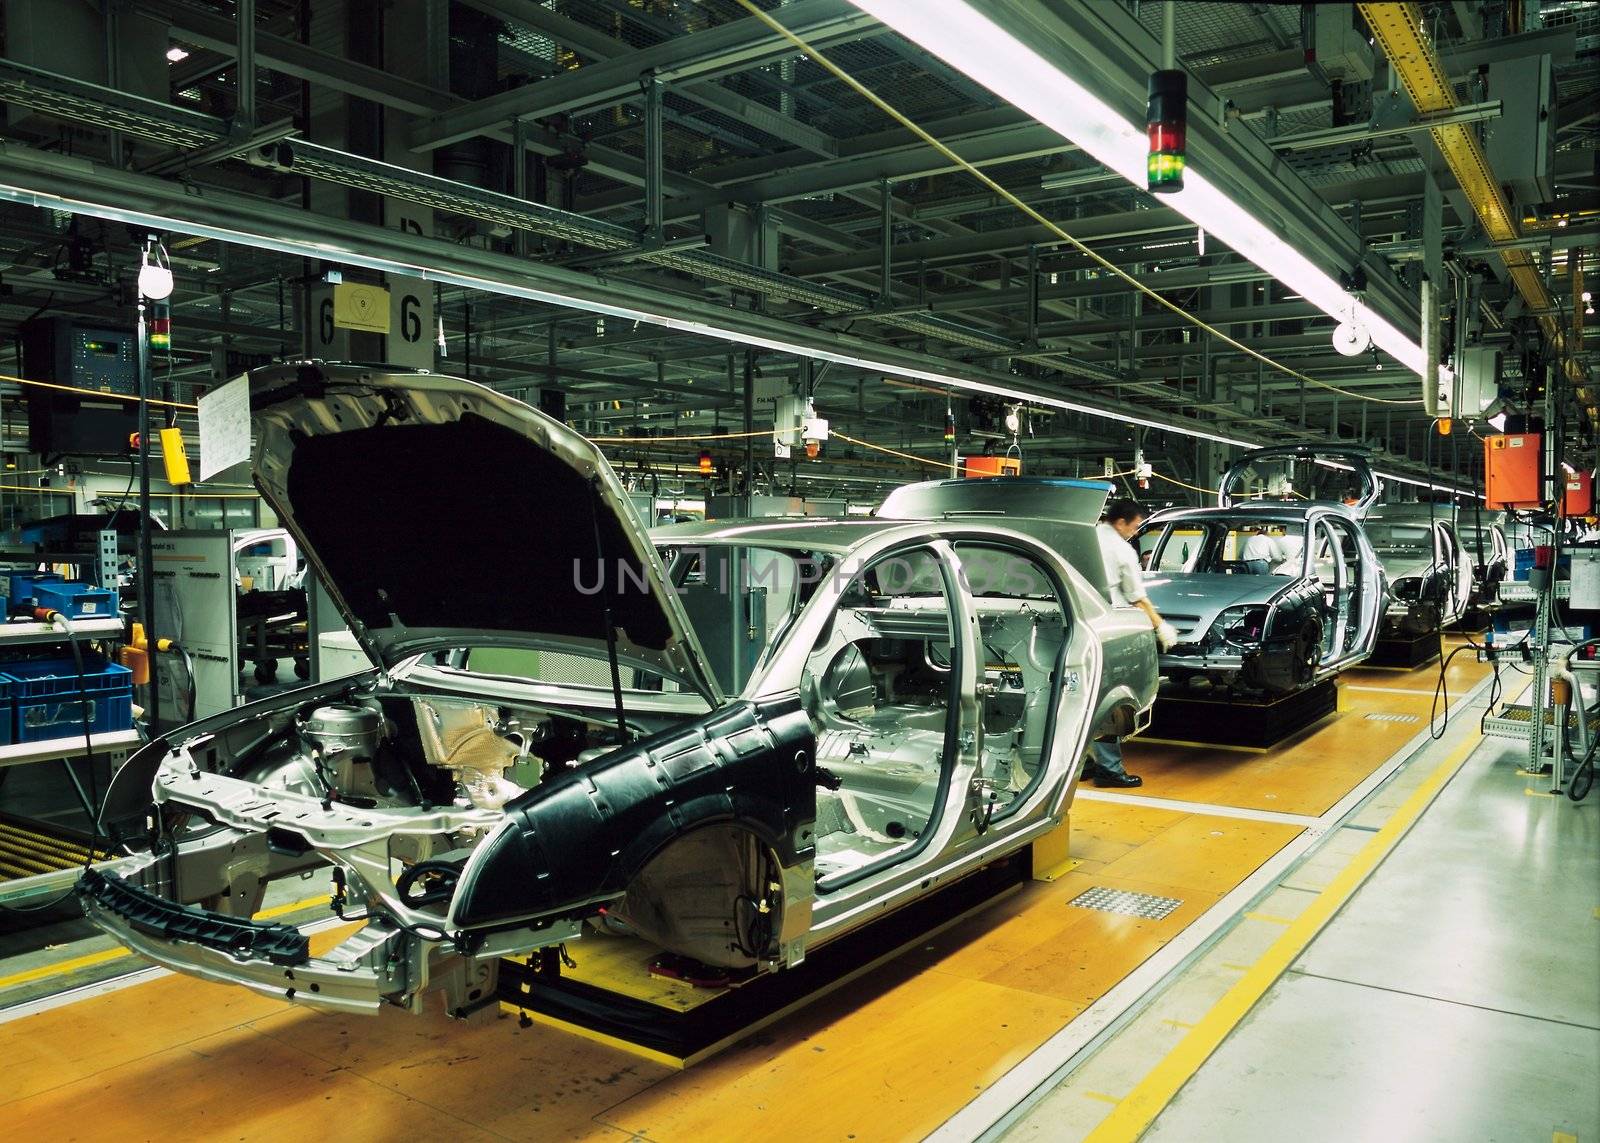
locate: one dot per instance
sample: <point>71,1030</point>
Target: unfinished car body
<point>733,744</point>
<point>1271,594</point>
<point>1431,576</point>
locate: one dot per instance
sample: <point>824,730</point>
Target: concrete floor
<point>1457,995</point>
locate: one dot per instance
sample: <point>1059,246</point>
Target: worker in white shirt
<point>1125,584</point>
<point>1263,551</point>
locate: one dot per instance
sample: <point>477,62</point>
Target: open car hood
<point>440,514</point>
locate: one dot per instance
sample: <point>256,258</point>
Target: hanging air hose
<point>1583,777</point>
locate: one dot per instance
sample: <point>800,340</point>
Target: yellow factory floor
<point>890,1056</point>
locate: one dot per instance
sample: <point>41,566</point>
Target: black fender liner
<point>580,838</point>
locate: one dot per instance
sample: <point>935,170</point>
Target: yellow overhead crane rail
<point>1397,26</point>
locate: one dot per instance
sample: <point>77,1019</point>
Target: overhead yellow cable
<point>94,392</point>
<point>1011,198</point>
<point>892,451</point>
<point>1181,484</point>
<point>672,439</point>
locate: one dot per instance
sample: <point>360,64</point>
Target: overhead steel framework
<point>618,159</point>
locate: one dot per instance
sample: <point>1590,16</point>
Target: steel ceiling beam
<point>700,55</point>
<point>601,47</point>
<point>736,181</point>
<point>36,178</point>
<point>1114,53</point>
<point>289,57</point>
<point>1398,28</point>
<point>1280,79</point>
<point>1140,223</point>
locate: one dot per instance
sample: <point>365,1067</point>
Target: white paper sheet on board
<point>224,427</point>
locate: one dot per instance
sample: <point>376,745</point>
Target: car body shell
<point>718,792</point>
<point>1432,578</point>
<point>1277,632</point>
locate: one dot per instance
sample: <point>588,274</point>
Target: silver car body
<point>1312,615</point>
<point>1274,624</point>
<point>467,813</point>
<point>1430,572</point>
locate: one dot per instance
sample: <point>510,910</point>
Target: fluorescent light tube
<point>980,49</point>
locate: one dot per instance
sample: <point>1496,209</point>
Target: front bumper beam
<point>362,974</point>
<point>158,917</point>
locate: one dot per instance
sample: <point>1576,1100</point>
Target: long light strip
<point>351,256</point>
<point>974,45</point>
<point>348,255</point>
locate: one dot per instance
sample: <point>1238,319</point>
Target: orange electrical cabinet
<point>1578,497</point>
<point>992,466</point>
<point>1511,471</point>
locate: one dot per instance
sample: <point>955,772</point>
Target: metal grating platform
<point>1394,717</point>
<point>1146,905</point>
<point>1515,719</point>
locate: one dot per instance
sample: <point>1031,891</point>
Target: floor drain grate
<point>1394,718</point>
<point>1146,905</point>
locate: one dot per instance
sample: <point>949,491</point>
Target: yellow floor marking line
<point>1390,690</point>
<point>1202,745</point>
<point>1101,1096</point>
<point>1270,918</point>
<point>1147,1100</point>
<point>60,968</point>
<point>1532,793</point>
<point>281,910</point>
<point>1563,1137</point>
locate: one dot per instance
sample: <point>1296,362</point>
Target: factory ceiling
<point>680,154</point>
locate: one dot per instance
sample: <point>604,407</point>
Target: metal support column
<point>885,242</point>
<point>147,562</point>
<point>113,20</point>
<point>749,417</point>
<point>653,191</point>
<point>1539,695</point>
<point>519,174</point>
<point>1033,295</point>
<point>244,111</point>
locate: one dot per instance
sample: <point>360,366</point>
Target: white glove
<point>1166,635</point>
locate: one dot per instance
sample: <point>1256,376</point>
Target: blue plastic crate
<point>49,704</point>
<point>8,712</point>
<point>77,600</point>
<point>43,678</point>
<point>63,717</point>
<point>19,586</point>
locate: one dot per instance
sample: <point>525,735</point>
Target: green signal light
<point>1165,170</point>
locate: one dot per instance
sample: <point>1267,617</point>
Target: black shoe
<point>1120,781</point>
